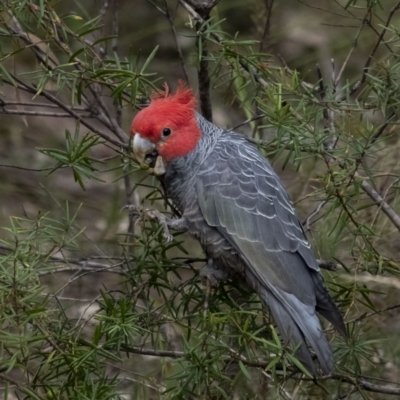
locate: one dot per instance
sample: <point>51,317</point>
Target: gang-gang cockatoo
<point>233,202</point>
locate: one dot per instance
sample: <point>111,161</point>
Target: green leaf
<point>244,370</point>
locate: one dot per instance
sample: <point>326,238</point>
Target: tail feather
<point>325,304</point>
<point>298,323</point>
<point>291,333</point>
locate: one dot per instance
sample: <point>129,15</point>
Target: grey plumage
<point>235,204</point>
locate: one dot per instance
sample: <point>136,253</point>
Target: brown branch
<point>355,43</point>
<point>377,312</point>
<point>41,113</point>
<point>367,65</point>
<point>306,223</point>
<point>322,93</point>
<point>358,382</point>
<point>175,36</point>
<point>22,386</point>
<point>27,169</point>
<point>379,201</point>
<point>203,9</point>
<point>255,118</point>
<point>268,5</point>
<point>83,121</point>
<point>105,116</point>
<point>243,63</point>
<point>60,104</point>
<point>37,104</point>
<point>328,265</point>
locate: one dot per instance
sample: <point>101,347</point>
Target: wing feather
<point>246,202</point>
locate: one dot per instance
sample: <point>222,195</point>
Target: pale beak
<point>142,148</point>
<point>147,156</point>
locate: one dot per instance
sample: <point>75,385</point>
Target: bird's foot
<point>212,274</point>
<point>155,215</point>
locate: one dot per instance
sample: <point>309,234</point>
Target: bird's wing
<point>241,196</point>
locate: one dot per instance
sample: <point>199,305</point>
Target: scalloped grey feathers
<point>238,208</point>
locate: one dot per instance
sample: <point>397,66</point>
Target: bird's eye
<point>166,131</point>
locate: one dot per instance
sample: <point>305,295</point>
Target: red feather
<point>175,111</point>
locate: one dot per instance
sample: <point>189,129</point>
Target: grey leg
<point>178,224</point>
<point>213,274</point>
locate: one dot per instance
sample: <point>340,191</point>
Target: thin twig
<point>105,114</point>
<point>206,298</point>
<point>41,113</point>
<point>367,65</point>
<point>177,45</point>
<point>22,386</point>
<point>34,104</point>
<point>265,37</point>
<point>203,73</point>
<point>329,265</point>
<point>370,314</point>
<point>373,194</point>
<point>28,169</point>
<point>255,118</point>
<point>235,357</point>
<point>306,223</point>
<point>355,43</point>
<point>78,117</point>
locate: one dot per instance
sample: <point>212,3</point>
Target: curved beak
<point>142,148</point>
<point>147,156</point>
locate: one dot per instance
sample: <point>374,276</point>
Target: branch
<point>360,318</point>
<point>381,280</point>
<point>28,169</point>
<point>355,43</point>
<point>22,386</point>
<point>371,192</point>
<point>41,113</point>
<point>234,357</point>
<point>175,36</point>
<point>373,51</point>
<point>105,116</point>
<point>268,5</point>
<point>203,9</point>
<point>329,265</point>
<point>21,85</point>
<point>394,218</point>
<point>247,121</point>
<point>243,63</point>
<point>36,104</point>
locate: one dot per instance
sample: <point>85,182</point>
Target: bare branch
<point>203,9</point>
<point>37,104</point>
<point>372,193</point>
<point>306,223</point>
<point>355,43</point>
<point>235,357</point>
<point>105,115</point>
<point>373,51</point>
<point>41,113</point>
<point>60,104</point>
<point>255,118</point>
<point>27,169</point>
<point>175,36</point>
<point>22,386</point>
<point>329,265</point>
<point>268,5</point>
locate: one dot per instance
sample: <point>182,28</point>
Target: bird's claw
<point>133,210</point>
<point>168,237</point>
<point>152,215</point>
<point>213,274</point>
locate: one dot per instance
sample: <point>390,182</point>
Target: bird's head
<point>166,129</point>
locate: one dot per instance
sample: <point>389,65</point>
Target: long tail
<point>325,304</point>
<point>297,323</point>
